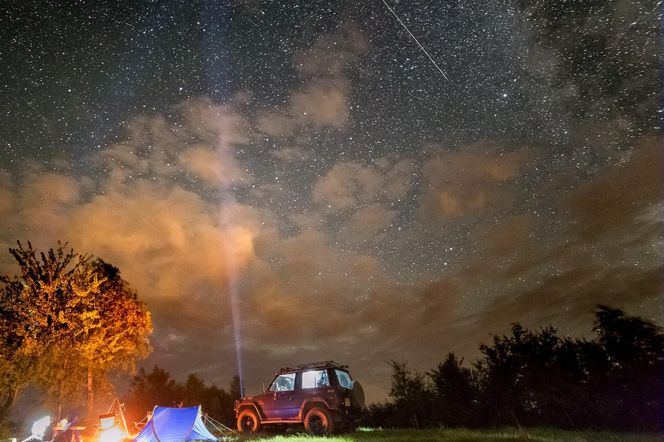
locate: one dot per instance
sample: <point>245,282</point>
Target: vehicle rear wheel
<point>318,421</point>
<point>248,421</point>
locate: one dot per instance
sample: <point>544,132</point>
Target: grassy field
<point>444,435</point>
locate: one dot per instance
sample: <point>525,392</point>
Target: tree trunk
<point>90,392</point>
<point>61,389</point>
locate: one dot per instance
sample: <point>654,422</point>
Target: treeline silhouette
<point>157,388</point>
<point>537,378</point>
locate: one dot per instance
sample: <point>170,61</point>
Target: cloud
<point>301,278</point>
<point>322,287</point>
<point>171,229</point>
<point>504,250</point>
<point>275,124</point>
<point>323,100</point>
<point>291,154</point>
<point>178,245</point>
<point>567,300</point>
<point>198,145</point>
<point>607,249</point>
<point>39,207</point>
<point>614,200</point>
<point>219,124</point>
<point>474,181</point>
<point>367,223</point>
<point>152,211</point>
<point>6,194</point>
<point>321,103</point>
<point>307,220</point>
<point>332,53</point>
<point>351,184</point>
<point>214,166</point>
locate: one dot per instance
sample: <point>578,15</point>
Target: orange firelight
<point>112,434</point>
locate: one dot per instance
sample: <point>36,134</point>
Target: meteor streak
<point>416,40</point>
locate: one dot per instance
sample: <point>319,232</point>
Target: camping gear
<point>175,425</point>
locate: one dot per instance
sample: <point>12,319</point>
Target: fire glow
<point>112,434</point>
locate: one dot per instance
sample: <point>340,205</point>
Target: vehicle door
<point>279,401</point>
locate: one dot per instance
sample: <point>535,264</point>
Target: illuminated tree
<point>113,326</point>
<point>65,320</point>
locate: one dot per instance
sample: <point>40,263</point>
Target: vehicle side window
<point>283,382</point>
<point>344,379</point>
<point>314,379</point>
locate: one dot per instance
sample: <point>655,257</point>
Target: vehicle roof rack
<point>319,364</point>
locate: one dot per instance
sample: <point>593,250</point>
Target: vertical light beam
<point>233,289</point>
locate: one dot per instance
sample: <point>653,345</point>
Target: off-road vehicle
<point>320,395</point>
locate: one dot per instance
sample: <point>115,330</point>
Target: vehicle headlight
<point>347,402</point>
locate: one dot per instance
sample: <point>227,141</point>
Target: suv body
<point>320,395</point>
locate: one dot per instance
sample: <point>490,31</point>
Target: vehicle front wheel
<point>318,421</point>
<point>248,421</point>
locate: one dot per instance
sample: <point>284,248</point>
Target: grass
<point>464,435</point>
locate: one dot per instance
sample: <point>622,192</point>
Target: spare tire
<point>357,395</point>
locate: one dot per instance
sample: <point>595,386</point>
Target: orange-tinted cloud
<point>214,166</point>
<point>368,223</point>
<point>6,194</point>
<point>326,289</point>
<point>469,182</point>
<point>302,290</point>
<point>616,199</point>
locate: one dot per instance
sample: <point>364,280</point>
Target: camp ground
<point>163,424</point>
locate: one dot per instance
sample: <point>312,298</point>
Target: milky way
<point>368,208</point>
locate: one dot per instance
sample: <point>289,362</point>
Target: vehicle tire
<point>318,421</point>
<point>357,395</point>
<point>248,421</point>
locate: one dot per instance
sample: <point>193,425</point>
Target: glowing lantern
<point>39,428</point>
<point>106,421</point>
<point>112,434</point>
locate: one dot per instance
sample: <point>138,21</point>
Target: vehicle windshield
<point>283,382</point>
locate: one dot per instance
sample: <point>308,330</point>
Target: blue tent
<point>175,425</point>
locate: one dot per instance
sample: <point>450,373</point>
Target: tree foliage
<point>455,392</point>
<point>411,395</point>
<point>65,322</point>
<point>535,377</point>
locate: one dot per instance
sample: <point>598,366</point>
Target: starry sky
<point>296,179</point>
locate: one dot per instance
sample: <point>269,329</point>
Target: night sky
<point>299,178</point>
